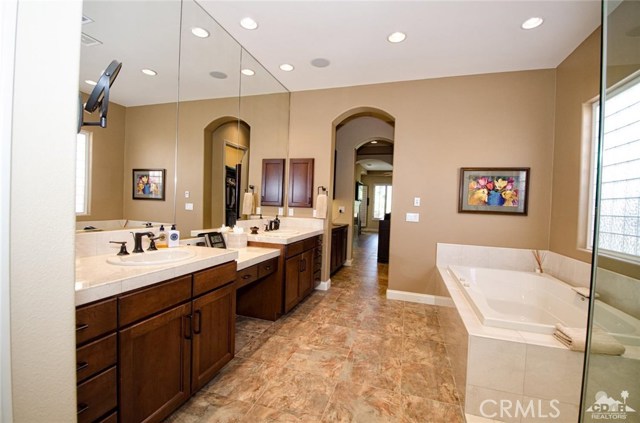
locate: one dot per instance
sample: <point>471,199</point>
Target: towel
<point>585,292</point>
<point>321,206</point>
<point>575,339</point>
<point>247,203</point>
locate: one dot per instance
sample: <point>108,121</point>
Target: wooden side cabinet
<point>299,272</point>
<point>339,237</point>
<point>301,183</point>
<point>272,182</point>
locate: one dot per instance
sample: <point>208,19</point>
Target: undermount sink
<point>280,233</point>
<point>151,258</point>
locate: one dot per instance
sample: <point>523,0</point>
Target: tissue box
<point>236,240</point>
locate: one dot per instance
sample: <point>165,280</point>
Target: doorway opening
<point>363,187</point>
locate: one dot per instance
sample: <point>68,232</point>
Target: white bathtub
<point>521,301</point>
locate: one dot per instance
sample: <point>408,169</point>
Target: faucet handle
<point>123,247</point>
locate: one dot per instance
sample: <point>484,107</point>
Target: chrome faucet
<point>137,238</point>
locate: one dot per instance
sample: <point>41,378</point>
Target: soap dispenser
<point>174,237</point>
<point>162,238</point>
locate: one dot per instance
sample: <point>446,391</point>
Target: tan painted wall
<point>371,180</point>
<point>442,124</point>
<point>578,80</point>
<point>107,165</point>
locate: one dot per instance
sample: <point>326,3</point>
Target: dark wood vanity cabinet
<point>163,343</point>
<point>299,272</point>
<point>301,183</point>
<point>339,237</point>
<point>272,182</point>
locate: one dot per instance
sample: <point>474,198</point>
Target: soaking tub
<point>523,301</point>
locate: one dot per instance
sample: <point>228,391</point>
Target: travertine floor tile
<point>363,404</point>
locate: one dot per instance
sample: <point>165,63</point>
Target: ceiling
<point>444,38</point>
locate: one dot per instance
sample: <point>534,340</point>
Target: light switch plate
<point>413,217</point>
<point>280,211</point>
<point>290,212</point>
<point>188,206</point>
<point>187,194</point>
<point>416,201</point>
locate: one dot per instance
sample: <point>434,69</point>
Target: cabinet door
<point>301,183</point>
<point>306,274</point>
<point>155,361</point>
<point>272,182</point>
<point>292,275</point>
<point>213,334</point>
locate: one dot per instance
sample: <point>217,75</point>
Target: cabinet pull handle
<point>267,267</point>
<point>81,326</point>
<point>197,323</point>
<point>82,407</point>
<point>304,265</point>
<point>188,329</point>
<point>81,365</point>
<point>246,276</point>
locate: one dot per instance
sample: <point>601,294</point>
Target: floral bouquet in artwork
<point>492,191</point>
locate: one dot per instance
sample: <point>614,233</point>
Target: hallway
<point>343,355</point>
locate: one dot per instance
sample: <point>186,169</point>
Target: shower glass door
<point>611,388</point>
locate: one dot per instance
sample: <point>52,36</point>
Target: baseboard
<point>324,285</point>
<point>348,263</point>
<point>414,297</point>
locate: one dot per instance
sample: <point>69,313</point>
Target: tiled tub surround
<point>494,364</point>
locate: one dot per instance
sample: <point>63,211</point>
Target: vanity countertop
<point>285,235</point>
<point>97,279</point>
<point>249,256</point>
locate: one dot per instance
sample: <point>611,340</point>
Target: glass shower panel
<point>612,377</point>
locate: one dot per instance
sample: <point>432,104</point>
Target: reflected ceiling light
<point>374,142</point>
<point>149,72</point>
<point>247,72</point>
<point>397,37</point>
<point>200,32</point>
<point>218,75</point>
<point>532,23</point>
<point>286,67</point>
<point>90,82</point>
<point>248,23</point>
<point>320,62</point>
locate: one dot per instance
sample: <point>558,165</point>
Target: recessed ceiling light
<point>397,37</point>
<point>218,75</point>
<point>286,67</point>
<point>248,72</point>
<point>532,23</point>
<point>248,23</point>
<point>149,72</point>
<point>320,62</point>
<point>374,142</point>
<point>90,82</point>
<point>200,32</point>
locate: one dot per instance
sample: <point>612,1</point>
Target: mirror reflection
<point>199,117</point>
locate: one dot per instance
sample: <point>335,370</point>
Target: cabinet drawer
<point>246,276</point>
<point>97,396</point>
<point>267,267</point>
<point>95,320</point>
<point>96,356</point>
<point>111,418</point>
<point>309,243</point>
<point>295,249</point>
<point>141,304</point>
<point>214,278</point>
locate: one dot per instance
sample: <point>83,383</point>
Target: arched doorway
<point>363,163</point>
<point>226,166</point>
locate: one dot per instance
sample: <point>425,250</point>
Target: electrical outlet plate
<point>341,209</point>
<point>187,194</point>
<point>416,201</point>
<point>188,206</point>
<point>315,213</point>
<point>258,210</point>
<point>280,211</point>
<point>290,212</point>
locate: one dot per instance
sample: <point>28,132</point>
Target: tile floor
<point>343,355</point>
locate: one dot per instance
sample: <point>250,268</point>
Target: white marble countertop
<point>249,256</point>
<point>97,279</point>
<point>285,235</point>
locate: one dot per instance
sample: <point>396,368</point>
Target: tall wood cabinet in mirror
<point>272,182</point>
<point>301,183</point>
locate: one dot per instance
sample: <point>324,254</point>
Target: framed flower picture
<point>148,184</point>
<point>497,190</point>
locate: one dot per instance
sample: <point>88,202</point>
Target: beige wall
<point>503,119</point>
<point>371,180</point>
<point>578,80</point>
<point>107,165</point>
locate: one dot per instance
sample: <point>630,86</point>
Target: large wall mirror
<point>208,117</point>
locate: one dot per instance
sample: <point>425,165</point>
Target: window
<point>619,232</point>
<point>83,171</point>
<point>381,201</point>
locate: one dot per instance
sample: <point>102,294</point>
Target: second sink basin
<point>151,258</point>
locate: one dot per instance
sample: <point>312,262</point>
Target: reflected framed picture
<point>148,184</point>
<point>495,190</point>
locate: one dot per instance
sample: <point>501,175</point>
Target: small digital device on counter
<point>213,239</point>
